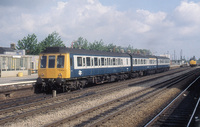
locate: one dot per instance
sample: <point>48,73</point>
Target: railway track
<point>179,111</point>
<point>10,92</point>
<point>93,116</point>
<point>91,90</point>
<point>67,99</point>
<point>23,100</point>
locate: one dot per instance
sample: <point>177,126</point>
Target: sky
<point>161,26</point>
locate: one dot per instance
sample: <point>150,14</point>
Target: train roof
<point>82,52</point>
<point>98,53</point>
<point>142,56</point>
<point>162,57</point>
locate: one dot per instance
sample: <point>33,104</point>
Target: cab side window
<point>60,61</point>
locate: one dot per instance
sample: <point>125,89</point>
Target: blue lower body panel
<point>142,68</point>
<point>163,66</point>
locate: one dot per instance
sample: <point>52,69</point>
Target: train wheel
<point>81,85</point>
<point>67,89</point>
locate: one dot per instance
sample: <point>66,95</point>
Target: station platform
<point>4,81</point>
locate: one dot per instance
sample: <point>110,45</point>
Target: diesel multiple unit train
<point>66,69</point>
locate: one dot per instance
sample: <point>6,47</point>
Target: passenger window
<point>102,61</point>
<point>139,61</point>
<point>105,61</point>
<point>109,62</point>
<point>79,61</point>
<point>51,61</point>
<point>43,62</point>
<point>88,61</point>
<point>113,61</point>
<point>118,61</point>
<point>95,62</point>
<point>60,61</point>
<point>121,61</point>
<point>135,61</point>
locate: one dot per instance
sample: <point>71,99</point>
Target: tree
<point>80,43</point>
<point>53,40</point>
<point>100,46</point>
<point>97,46</point>
<point>29,44</point>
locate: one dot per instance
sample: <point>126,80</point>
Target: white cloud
<point>61,5</point>
<point>90,19</point>
<point>151,18</point>
<point>188,12</point>
<point>28,22</point>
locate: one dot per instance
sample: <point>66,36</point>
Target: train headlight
<point>60,75</point>
<point>42,75</point>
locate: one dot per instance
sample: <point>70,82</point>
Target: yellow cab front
<point>54,66</point>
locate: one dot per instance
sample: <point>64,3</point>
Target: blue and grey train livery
<point>65,69</point>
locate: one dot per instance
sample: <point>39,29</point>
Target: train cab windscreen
<point>43,62</point>
<point>60,61</point>
<point>51,61</point>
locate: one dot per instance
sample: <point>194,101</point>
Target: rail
<point>192,116</point>
<point>121,106</point>
<point>173,101</point>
